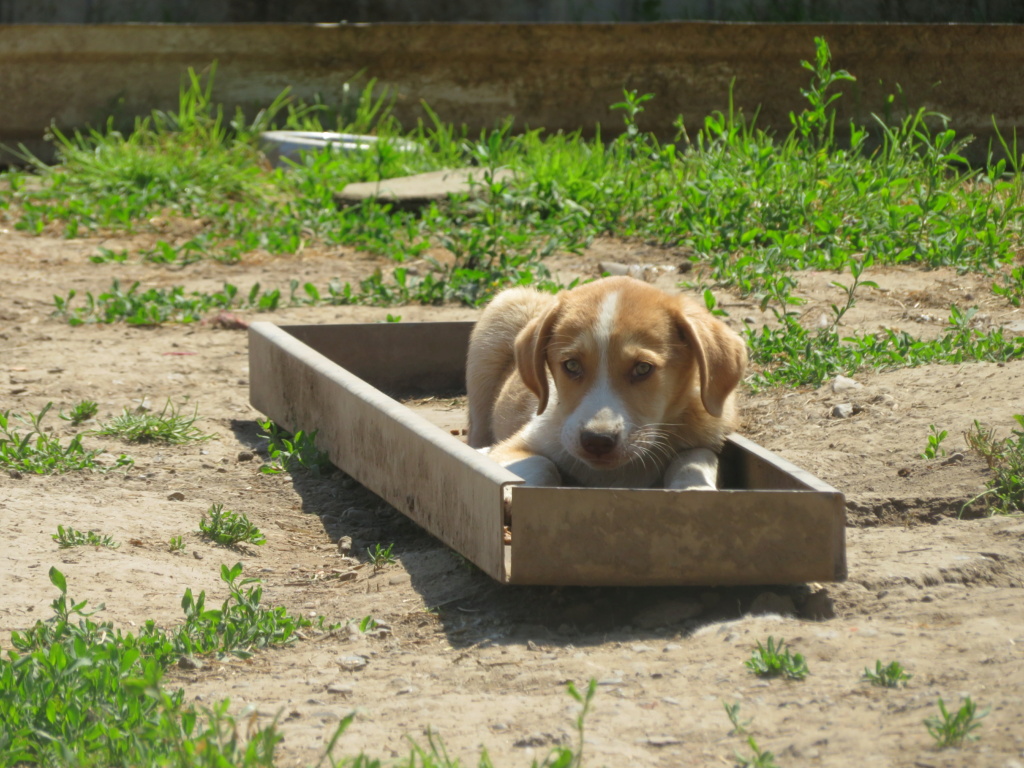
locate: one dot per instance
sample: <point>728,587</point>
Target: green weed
<point>381,556</point>
<point>759,758</point>
<point>1005,457</point>
<point>230,528</point>
<point>143,426</point>
<point>771,660</point>
<point>37,451</point>
<point>935,438</point>
<point>892,675</point>
<point>287,452</point>
<point>81,411</point>
<point>951,729</point>
<point>177,544</point>
<point>70,537</point>
<point>73,686</point>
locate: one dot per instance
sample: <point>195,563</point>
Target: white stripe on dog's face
<point>600,415</point>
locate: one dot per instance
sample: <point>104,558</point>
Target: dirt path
<point>486,666</point>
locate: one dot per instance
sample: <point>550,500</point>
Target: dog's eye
<point>573,367</point>
<point>640,370</point>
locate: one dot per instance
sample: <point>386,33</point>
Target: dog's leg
<point>532,467</point>
<point>695,469</point>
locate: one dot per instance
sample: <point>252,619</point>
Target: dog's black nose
<point>598,443</point>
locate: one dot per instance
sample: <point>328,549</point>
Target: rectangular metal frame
<point>772,523</point>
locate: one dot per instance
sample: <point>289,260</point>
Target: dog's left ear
<point>720,352</point>
<point>531,349</point>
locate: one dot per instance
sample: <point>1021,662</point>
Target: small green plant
<point>367,624</point>
<point>39,452</point>
<point>143,426</point>
<point>229,528</point>
<point>70,537</point>
<point>288,452</point>
<point>772,660</point>
<point>759,758</point>
<point>892,675</point>
<point>951,729</point>
<point>177,544</point>
<point>380,556</point>
<point>732,711</point>
<point>1005,457</point>
<point>935,438</point>
<point>82,411</point>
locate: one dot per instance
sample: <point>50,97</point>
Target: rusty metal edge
<point>607,537</point>
<point>439,482</point>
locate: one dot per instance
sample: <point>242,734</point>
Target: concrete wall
<point>208,11</point>
<point>558,76</point>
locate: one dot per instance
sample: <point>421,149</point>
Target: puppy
<point>614,383</point>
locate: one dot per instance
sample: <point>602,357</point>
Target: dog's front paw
<point>535,470</point>
<point>695,469</point>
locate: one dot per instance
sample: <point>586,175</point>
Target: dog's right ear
<point>531,354</point>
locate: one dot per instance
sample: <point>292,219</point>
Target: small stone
<point>197,555</point>
<point>843,410</point>
<point>352,663</point>
<point>345,544</point>
<point>190,662</point>
<point>954,458</point>
<point>246,455</point>
<point>341,689</point>
<point>15,474</point>
<point>667,613</point>
<point>819,605</point>
<point>176,496</point>
<point>844,384</point>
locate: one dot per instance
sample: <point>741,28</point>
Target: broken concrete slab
<point>412,193</point>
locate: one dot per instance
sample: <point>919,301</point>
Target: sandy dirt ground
<point>484,665</point>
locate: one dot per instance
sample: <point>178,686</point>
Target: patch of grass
<point>156,306</point>
<point>70,537</point>
<point>143,426</point>
<point>951,729</point>
<point>1005,457</point>
<point>772,660</point>
<point>891,675</point>
<point>73,686</point>
<point>81,411</point>
<point>39,452</point>
<point>75,690</point>
<point>230,528</point>
<point>381,556</point>
<point>287,452</point>
<point>176,544</point>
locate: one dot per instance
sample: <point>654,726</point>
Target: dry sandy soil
<point>485,666</point>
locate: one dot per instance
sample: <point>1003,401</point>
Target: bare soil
<point>485,666</point>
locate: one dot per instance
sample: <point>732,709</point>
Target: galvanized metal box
<point>771,522</point>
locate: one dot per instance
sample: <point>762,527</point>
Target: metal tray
<point>771,522</point>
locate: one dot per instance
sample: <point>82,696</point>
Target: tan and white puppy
<point>614,383</point>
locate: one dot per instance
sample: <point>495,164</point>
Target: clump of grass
<point>70,537</point>
<point>144,426</point>
<point>951,729</point>
<point>1005,457</point>
<point>176,544</point>
<point>287,452</point>
<point>75,686</point>
<point>230,528</point>
<point>891,675</point>
<point>381,556</point>
<point>81,411</point>
<point>37,451</point>
<point>772,660</point>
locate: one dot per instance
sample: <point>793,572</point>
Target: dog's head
<point>639,373</point>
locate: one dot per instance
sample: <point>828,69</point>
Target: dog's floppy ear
<point>531,354</point>
<point>721,354</point>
